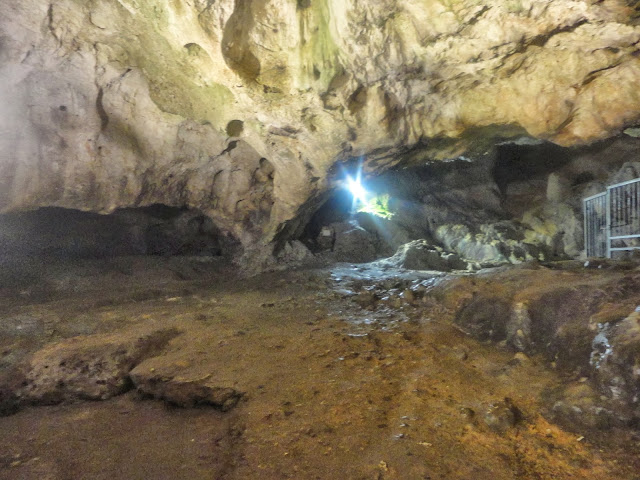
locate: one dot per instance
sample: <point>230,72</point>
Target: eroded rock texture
<point>242,108</point>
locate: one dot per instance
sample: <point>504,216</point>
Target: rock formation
<point>244,108</point>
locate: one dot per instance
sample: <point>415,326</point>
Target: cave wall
<point>242,108</point>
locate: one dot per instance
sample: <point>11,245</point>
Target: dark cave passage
<point>60,233</point>
<point>527,163</point>
<point>336,209</point>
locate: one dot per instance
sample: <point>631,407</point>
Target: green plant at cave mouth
<point>378,206</point>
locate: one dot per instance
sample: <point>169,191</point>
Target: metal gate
<point>612,220</point>
<point>595,225</point>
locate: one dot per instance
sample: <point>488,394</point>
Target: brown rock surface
<point>179,379</point>
<point>94,367</point>
<point>241,108</point>
<point>382,392</point>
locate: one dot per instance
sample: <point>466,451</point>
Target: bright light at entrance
<point>356,189</point>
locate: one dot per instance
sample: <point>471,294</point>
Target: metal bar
<point>586,226</point>
<point>635,208</point>
<point>608,224</point>
<point>602,223</point>
<point>618,221</point>
<point>613,215</point>
<point>620,210</point>
<point>627,215</point>
<point>622,184</point>
<point>625,207</point>
<point>627,202</point>
<point>622,237</point>
<point>591,251</point>
<point>595,196</point>
<point>593,227</point>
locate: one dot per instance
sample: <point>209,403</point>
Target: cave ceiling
<point>245,109</point>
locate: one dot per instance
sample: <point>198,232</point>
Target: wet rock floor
<point>347,373</point>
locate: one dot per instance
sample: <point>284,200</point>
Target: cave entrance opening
<point>68,234</point>
<point>612,220</point>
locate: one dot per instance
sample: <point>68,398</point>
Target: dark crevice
<point>102,113</point>
<point>477,16</point>
<point>537,41</point>
<point>357,100</point>
<point>232,145</point>
<point>541,40</point>
<point>50,21</point>
<point>591,76</point>
<point>566,122</point>
<point>526,163</point>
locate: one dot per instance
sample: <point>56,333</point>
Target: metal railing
<point>595,225</point>
<point>612,220</point>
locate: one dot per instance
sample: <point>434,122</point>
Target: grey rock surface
<point>420,255</point>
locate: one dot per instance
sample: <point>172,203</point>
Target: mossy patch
<point>318,52</point>
<point>172,82</point>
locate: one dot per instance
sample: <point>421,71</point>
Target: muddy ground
<point>350,372</point>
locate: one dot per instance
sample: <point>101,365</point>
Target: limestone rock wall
<point>241,108</point>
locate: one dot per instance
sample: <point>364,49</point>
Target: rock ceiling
<point>243,108</point>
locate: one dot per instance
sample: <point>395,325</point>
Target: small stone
<point>502,416</point>
<point>366,299</point>
<point>467,413</point>
<point>461,354</point>
<point>409,296</point>
<point>520,359</point>
<point>345,293</point>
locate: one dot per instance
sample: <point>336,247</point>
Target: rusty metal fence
<point>612,220</point>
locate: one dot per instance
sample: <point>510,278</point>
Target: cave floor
<point>332,388</point>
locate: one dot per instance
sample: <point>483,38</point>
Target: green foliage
<point>378,205</point>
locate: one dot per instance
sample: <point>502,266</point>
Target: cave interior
<point>307,239</point>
